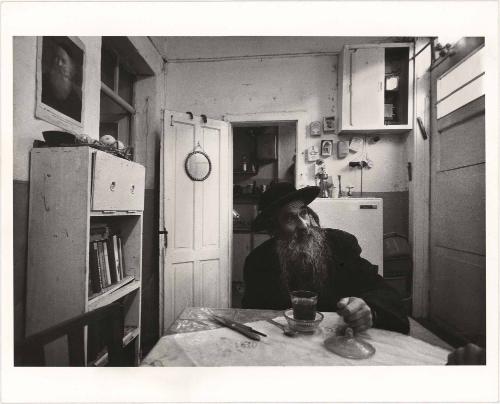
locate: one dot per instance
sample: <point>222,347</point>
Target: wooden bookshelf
<point>71,190</point>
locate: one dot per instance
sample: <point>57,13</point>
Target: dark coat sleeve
<point>252,298</point>
<point>364,282</point>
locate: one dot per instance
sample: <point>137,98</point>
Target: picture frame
<point>315,128</point>
<point>326,148</point>
<point>329,124</point>
<point>60,81</point>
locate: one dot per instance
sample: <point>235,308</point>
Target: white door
<point>195,262</point>
<point>367,87</point>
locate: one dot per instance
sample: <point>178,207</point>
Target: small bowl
<point>305,326</point>
<point>56,137</point>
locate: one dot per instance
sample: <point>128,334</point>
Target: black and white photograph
<point>326,148</point>
<point>167,214</point>
<point>60,62</point>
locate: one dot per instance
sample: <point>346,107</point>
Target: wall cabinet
<point>74,190</point>
<point>375,88</point>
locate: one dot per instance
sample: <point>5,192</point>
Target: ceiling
<point>213,47</point>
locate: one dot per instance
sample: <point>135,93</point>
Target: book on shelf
<point>120,255</point>
<point>109,261</point>
<point>102,266</point>
<point>109,279</point>
<point>106,263</point>
<point>95,276</point>
<point>113,258</point>
<point>99,231</point>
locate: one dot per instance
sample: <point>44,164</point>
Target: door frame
<point>301,118</point>
<point>419,187</point>
<point>420,156</point>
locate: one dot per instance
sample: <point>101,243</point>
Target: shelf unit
<point>72,188</point>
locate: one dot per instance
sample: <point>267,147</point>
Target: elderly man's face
<point>293,218</point>
<point>62,63</point>
<point>61,74</point>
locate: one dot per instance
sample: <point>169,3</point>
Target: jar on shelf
<point>244,163</point>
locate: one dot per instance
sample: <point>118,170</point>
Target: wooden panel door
<point>457,215</point>
<point>196,215</point>
<point>367,87</point>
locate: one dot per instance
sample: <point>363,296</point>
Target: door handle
<point>368,206</point>
<point>165,237</point>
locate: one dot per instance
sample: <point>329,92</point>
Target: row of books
<point>106,264</point>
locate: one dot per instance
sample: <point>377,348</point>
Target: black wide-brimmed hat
<point>278,195</point>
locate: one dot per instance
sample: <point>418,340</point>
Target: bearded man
<point>58,89</point>
<point>303,256</point>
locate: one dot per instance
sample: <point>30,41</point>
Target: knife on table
<point>238,327</point>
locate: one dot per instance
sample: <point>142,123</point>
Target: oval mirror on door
<point>198,166</point>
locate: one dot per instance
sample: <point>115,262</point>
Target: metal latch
<point>165,236</point>
<point>368,206</point>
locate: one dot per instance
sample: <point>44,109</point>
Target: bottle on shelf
<point>244,163</point>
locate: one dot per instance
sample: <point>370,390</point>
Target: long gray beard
<point>61,84</point>
<point>304,259</point>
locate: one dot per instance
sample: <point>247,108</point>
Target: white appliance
<point>362,217</point>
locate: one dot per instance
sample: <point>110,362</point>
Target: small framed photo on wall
<point>326,148</point>
<point>60,81</point>
<point>329,124</point>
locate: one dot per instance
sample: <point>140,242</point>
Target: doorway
<point>264,152</point>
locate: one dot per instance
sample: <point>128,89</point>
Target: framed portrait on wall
<point>60,81</point>
<point>326,148</point>
<point>329,124</point>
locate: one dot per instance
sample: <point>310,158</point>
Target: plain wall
<point>149,101</point>
<point>304,83</point>
<point>285,84</point>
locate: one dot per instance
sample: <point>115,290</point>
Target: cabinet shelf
<point>115,213</point>
<point>113,293</point>
<point>245,173</point>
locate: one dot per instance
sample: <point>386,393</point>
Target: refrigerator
<point>362,217</point>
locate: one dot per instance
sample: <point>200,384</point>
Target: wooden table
<point>195,340</point>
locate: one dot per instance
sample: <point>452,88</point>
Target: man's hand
<point>356,313</point>
<point>469,354</point>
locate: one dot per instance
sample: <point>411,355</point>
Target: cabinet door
<point>367,87</point>
<point>118,184</point>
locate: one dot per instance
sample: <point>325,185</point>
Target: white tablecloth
<point>225,347</point>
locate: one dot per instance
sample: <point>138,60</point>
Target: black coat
<point>349,276</point>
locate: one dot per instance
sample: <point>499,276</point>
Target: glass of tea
<point>304,304</point>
